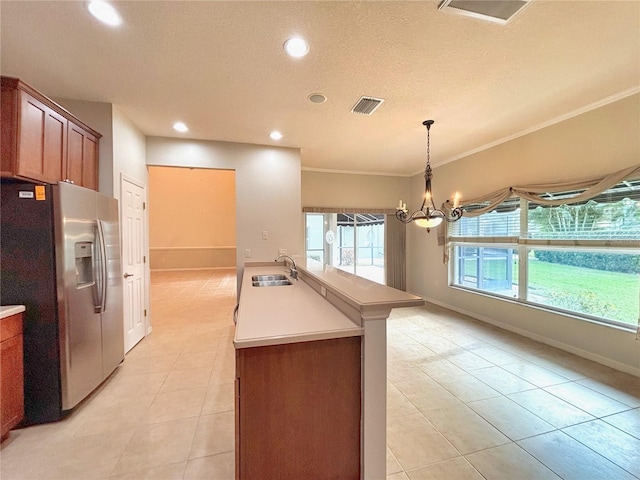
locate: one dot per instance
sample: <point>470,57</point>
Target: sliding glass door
<point>352,242</point>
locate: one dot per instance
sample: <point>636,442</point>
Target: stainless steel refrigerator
<point>60,257</point>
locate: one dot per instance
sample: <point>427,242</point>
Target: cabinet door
<point>298,410</point>
<point>42,141</point>
<point>82,157</point>
<point>11,383</point>
<point>90,162</point>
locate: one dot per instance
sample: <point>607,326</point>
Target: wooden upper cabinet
<point>41,141</point>
<point>82,157</point>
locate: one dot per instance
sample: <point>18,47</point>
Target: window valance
<point>537,192</point>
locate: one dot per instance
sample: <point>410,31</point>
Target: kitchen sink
<point>275,280</point>
<point>270,283</point>
<point>269,278</point>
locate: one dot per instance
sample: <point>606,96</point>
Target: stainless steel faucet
<point>293,270</point>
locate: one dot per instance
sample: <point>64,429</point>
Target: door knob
<point>127,275</point>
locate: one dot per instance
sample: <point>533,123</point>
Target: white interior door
<point>132,206</point>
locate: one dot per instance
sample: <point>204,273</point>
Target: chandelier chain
<point>428,144</point>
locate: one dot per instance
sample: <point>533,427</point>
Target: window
<point>493,269</point>
<point>353,242</point>
<point>582,258</point>
<point>315,237</point>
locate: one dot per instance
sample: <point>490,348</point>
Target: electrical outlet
<point>282,251</point>
<point>265,235</point>
<point>323,291</point>
<point>247,253</point>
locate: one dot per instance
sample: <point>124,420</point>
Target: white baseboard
<point>623,367</point>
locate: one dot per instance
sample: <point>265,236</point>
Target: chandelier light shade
<point>429,216</point>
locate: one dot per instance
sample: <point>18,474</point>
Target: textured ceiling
<point>220,67</point>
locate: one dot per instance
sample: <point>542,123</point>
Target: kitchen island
<point>311,374</point>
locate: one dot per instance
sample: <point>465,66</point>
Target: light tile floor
<point>465,401</point>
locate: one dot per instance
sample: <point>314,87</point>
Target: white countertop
<point>8,310</point>
<point>286,314</point>
<point>360,293</point>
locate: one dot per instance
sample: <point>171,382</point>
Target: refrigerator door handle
<point>97,271</point>
<point>103,267</point>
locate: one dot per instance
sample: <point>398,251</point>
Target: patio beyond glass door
<point>352,242</point>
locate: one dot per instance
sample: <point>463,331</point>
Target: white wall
<point>592,144</point>
<point>129,152</point>
<point>322,189</point>
<point>268,191</point>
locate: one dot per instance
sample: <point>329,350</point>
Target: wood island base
<point>298,410</point>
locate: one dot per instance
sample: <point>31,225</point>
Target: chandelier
<point>429,216</point>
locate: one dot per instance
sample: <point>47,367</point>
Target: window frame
<point>522,244</point>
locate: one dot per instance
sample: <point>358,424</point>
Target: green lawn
<point>608,294</point>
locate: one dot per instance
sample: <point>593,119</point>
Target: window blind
<point>501,222</point>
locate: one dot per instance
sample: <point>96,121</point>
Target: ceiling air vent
<point>367,105</point>
<point>497,11</point>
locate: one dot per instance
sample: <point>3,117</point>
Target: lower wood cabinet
<point>11,373</point>
<point>298,410</point>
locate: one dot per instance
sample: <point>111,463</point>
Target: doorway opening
<point>192,218</point>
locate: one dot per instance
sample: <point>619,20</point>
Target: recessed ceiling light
<point>275,135</point>
<point>317,98</point>
<point>180,127</point>
<point>105,13</point>
<point>296,47</point>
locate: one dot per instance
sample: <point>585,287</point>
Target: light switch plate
<point>247,253</point>
<point>265,235</point>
